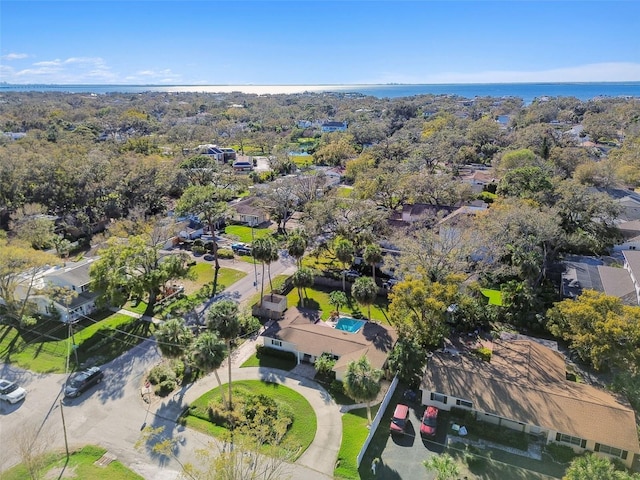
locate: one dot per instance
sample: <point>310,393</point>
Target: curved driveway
<point>113,413</point>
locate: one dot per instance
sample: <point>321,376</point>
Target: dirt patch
<point>60,472</point>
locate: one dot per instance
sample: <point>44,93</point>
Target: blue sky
<point>309,42</point>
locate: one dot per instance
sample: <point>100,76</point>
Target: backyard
<point>318,299</point>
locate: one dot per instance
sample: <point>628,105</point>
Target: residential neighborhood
<point>360,292</point>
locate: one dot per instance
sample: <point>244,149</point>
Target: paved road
<point>113,413</point>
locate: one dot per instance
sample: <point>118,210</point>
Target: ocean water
<point>526,91</point>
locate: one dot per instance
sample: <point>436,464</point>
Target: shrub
<point>336,388</point>
<point>476,459</point>
<point>198,249</point>
<point>166,387</point>
<point>560,453</point>
<point>225,253</point>
<point>178,368</point>
<point>324,364</point>
<point>463,415</point>
<point>274,352</point>
<point>484,353</point>
<point>161,373</point>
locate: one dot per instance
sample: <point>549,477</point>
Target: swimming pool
<point>350,325</point>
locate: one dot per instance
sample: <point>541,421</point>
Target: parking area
<point>402,455</point>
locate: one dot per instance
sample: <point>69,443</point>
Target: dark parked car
<point>429,421</point>
<point>350,275</point>
<point>241,249</point>
<point>81,381</point>
<point>399,420</point>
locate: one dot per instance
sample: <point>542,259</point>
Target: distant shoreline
<point>527,91</point>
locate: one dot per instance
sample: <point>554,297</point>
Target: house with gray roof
<point>603,275</point>
<point>71,276</point>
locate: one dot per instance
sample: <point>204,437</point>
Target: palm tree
<point>265,250</point>
<point>208,353</point>
<point>365,291</point>
<point>362,382</point>
<point>222,318</point>
<point>297,244</point>
<point>444,465</point>
<point>337,299</point>
<point>302,278</point>
<point>344,252</point>
<point>173,338</point>
<point>372,256</point>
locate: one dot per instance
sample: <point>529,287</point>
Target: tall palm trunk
<point>262,285</point>
<point>229,362</point>
<point>220,386</point>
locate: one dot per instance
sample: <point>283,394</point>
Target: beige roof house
<point>525,384</point>
<point>307,336</point>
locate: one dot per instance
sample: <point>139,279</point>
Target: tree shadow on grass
<point>309,304</point>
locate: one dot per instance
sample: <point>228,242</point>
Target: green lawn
<point>319,300</point>
<point>344,192</point>
<point>241,233</point>
<point>354,433</point>
<point>106,337</point>
<point>277,282</point>
<point>301,432</point>
<point>81,465</point>
<point>202,274</point>
<point>302,160</point>
<point>494,296</point>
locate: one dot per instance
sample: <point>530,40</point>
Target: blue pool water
<point>350,325</point>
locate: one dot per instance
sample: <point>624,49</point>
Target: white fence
<point>378,417</point>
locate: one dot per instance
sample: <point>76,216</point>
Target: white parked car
<point>11,392</point>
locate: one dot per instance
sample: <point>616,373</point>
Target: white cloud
<point>59,71</point>
<point>14,56</point>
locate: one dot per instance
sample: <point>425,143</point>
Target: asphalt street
<point>113,413</point>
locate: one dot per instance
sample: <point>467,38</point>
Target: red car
<point>399,420</point>
<point>429,421</point>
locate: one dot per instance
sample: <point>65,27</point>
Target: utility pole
<point>255,267</point>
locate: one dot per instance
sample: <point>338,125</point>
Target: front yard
<point>202,417</point>
<point>44,347</point>
<point>81,464</point>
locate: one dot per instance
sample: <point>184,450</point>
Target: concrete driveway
<point>402,455</point>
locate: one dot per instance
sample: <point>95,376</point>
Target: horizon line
<point>390,84</point>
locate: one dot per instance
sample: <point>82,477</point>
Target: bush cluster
<point>483,353</point>
<point>475,458</point>
<point>274,352</point>
<point>225,253</point>
<point>560,453</point>
<point>259,413</point>
<point>166,376</point>
<point>489,431</point>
